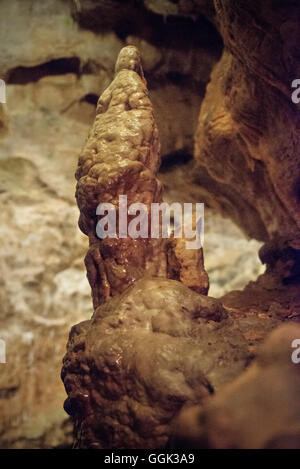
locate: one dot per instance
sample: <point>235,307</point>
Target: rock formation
<point>129,370</point>
<point>248,131</point>
<point>54,72</point>
<point>247,149</point>
<point>245,167</point>
<point>121,157</point>
<point>158,347</point>
<point>260,409</point>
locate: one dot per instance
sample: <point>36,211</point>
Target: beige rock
<point>122,157</point>
<point>259,410</point>
<point>124,387</point>
<point>49,110</point>
<point>143,356</point>
<point>3,120</point>
<point>181,7</point>
<point>42,287</point>
<point>52,34</point>
<point>248,139</point>
<point>48,123</point>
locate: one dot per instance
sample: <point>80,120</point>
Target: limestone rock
<point>54,78</point>
<point>259,410</point>
<point>38,268</point>
<point>182,7</point>
<point>56,62</point>
<point>3,120</point>
<point>121,158</point>
<point>121,394</point>
<point>249,148</point>
<point>141,357</point>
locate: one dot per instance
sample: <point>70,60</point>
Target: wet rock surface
<point>149,352</point>
<point>248,131</point>
<point>142,357</point>
<point>259,410</point>
<point>55,70</point>
<point>56,60</point>
<point>121,158</point>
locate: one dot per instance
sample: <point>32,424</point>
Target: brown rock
<point>248,136</point>
<point>260,409</point>
<point>156,346</point>
<point>121,157</point>
<point>143,355</point>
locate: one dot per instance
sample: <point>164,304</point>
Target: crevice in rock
<point>90,98</point>
<point>174,159</point>
<point>25,75</point>
<point>8,393</point>
<point>132,18</point>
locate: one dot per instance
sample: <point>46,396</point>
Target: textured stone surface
<point>182,7</point>
<point>57,62</point>
<point>122,157</point>
<point>259,410</point>
<point>55,44</point>
<point>3,120</point>
<point>121,392</point>
<point>55,70</point>
<point>143,355</point>
<point>232,124</point>
<point>247,153</point>
<point>221,338</point>
<point>231,259</point>
<point>248,132</point>
<point>42,287</point>
<point>37,190</point>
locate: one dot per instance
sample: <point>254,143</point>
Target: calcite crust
<point>121,157</point>
<point>154,347</point>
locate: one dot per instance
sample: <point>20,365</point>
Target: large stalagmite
<point>153,346</point>
<point>131,368</point>
<point>121,157</point>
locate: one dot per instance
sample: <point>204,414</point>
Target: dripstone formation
<point>121,157</point>
<point>155,345</point>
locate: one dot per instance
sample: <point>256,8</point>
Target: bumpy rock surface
<point>247,151</point>
<point>55,70</point>
<point>248,132</point>
<point>56,58</point>
<point>247,145</point>
<point>259,410</point>
<point>121,157</point>
<point>234,124</point>
<point>158,346</point>
<point>181,7</point>
<point>178,347</point>
<point>142,356</point>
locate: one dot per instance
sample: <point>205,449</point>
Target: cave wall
<point>248,131</point>
<point>56,63</point>
<point>56,58</point>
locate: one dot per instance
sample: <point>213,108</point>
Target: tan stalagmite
<point>121,157</point>
<point>153,348</point>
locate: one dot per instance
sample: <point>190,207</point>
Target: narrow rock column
<point>121,157</point>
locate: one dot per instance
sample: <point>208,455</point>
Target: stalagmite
<point>134,364</point>
<point>121,157</point>
<point>155,345</point>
